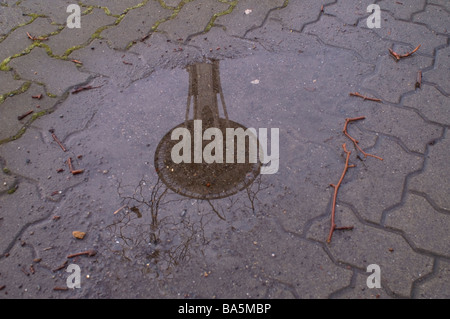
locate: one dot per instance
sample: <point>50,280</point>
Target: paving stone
<point>431,103</point>
<point>202,12</point>
<point>400,265</point>
<point>136,25</point>
<point>433,179</point>
<point>421,224</point>
<point>402,125</point>
<point>442,3</point>
<point>365,43</point>
<point>273,37</point>
<point>18,41</point>
<point>20,104</point>
<point>237,23</point>
<point>68,39</point>
<point>402,10</point>
<point>8,83</point>
<point>10,18</point>
<point>55,11</point>
<point>122,68</point>
<point>40,162</point>
<point>297,263</point>
<point>299,13</point>
<point>360,185</point>
<point>436,17</point>
<point>360,290</point>
<point>217,44</point>
<point>348,12</point>
<point>395,78</point>
<point>58,75</point>
<point>24,213</point>
<point>435,287</point>
<point>438,75</point>
<point>403,32</point>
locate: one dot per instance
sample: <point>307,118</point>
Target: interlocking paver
<point>348,12</point>
<point>440,21</point>
<point>17,42</point>
<point>136,25</point>
<point>69,39</point>
<point>30,212</point>
<point>432,181</point>
<point>201,12</point>
<point>429,102</point>
<point>300,13</point>
<point>365,245</point>
<point>361,189</point>
<point>364,42</point>
<point>422,224</point>
<point>238,22</point>
<point>438,282</point>
<point>403,32</point>
<point>395,78</point>
<point>58,75</point>
<point>438,75</point>
<point>402,10</point>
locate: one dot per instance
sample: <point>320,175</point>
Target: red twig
<point>355,142</point>
<point>74,172</point>
<point>336,188</point>
<point>58,141</point>
<point>21,117</point>
<point>401,56</point>
<point>36,38</point>
<point>365,97</point>
<point>88,253</point>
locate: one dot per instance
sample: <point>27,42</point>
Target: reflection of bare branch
<point>215,210</point>
<point>145,229</point>
<point>148,231</point>
<point>253,191</point>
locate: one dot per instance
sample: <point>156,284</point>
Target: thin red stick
<point>336,188</point>
<point>355,142</point>
<point>365,97</point>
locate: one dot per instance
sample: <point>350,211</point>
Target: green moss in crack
<point>20,90</point>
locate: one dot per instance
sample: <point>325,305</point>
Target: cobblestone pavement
<point>111,90</point>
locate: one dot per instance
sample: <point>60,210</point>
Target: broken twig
<point>355,142</point>
<point>365,97</point>
<point>117,211</point>
<point>21,117</point>
<point>401,56</point>
<point>74,172</point>
<point>36,38</point>
<point>89,253</point>
<point>336,188</point>
<point>58,141</point>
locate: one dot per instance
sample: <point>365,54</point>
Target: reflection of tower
<point>202,180</point>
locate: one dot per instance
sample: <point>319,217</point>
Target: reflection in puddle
<point>163,223</point>
<point>197,178</point>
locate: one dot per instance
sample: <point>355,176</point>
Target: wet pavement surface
<point>110,94</point>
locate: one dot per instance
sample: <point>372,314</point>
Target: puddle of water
<point>176,212</point>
